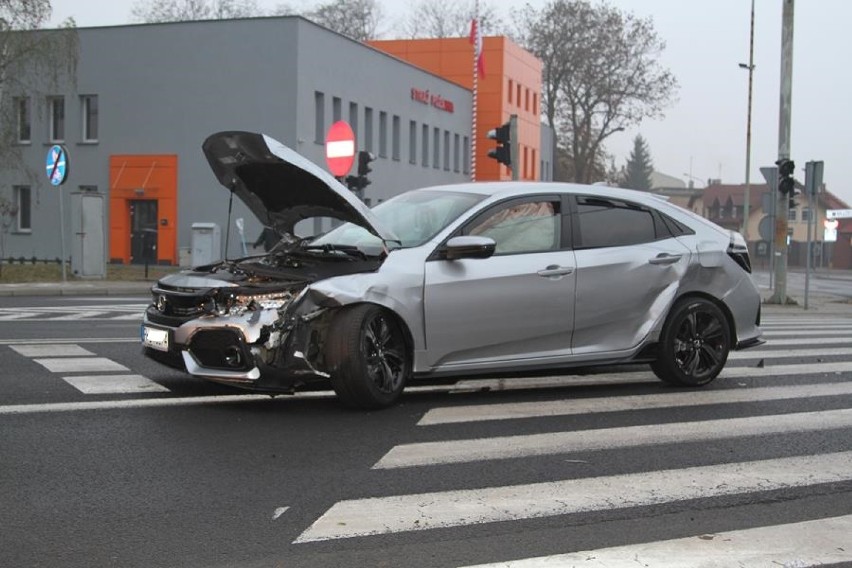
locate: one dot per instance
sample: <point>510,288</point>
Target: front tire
<point>694,345</point>
<point>367,357</point>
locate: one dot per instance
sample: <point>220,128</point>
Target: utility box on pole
<point>206,243</point>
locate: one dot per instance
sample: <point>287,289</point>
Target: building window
<point>22,120</point>
<point>456,153</point>
<point>368,129</point>
<point>56,117</point>
<point>533,163</point>
<point>806,214</point>
<point>336,109</point>
<point>22,202</point>
<point>425,151</point>
<point>319,117</point>
<point>535,103</point>
<point>383,134</point>
<point>436,148</point>
<point>518,94</point>
<point>353,119</point>
<point>511,90</point>
<point>446,150</point>
<point>791,215</point>
<point>395,141</point>
<point>89,106</point>
<point>412,142</point>
<point>466,155</point>
<point>527,100</point>
<point>526,161</point>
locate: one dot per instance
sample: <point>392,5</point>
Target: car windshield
<point>414,217</point>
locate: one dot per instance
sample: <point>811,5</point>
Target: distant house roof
<point>736,193</point>
<point>660,180</point>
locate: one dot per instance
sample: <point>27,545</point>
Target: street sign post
<point>56,168</point>
<point>838,213</point>
<point>340,148</point>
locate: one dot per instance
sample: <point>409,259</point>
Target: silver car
<point>477,278</point>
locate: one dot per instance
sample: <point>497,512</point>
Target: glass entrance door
<point>143,231</point>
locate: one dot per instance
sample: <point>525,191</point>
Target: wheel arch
<point>406,332</point>
<point>729,317</point>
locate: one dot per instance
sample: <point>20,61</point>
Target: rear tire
<point>367,357</point>
<point>694,345</point>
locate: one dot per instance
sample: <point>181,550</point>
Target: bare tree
<point>155,11</point>
<point>437,18</point>
<point>8,214</point>
<point>601,74</point>
<point>32,61</point>
<point>358,19</point>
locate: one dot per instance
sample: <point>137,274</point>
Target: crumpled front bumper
<point>260,350</point>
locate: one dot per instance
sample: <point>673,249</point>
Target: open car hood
<point>281,186</point>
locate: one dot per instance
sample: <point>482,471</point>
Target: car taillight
<point>738,250</point>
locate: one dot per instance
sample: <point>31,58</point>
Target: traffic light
<point>786,183</point>
<point>360,182</point>
<point>364,159</point>
<point>503,152</point>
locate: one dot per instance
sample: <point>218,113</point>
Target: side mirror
<point>469,247</point>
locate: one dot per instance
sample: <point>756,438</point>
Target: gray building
<point>146,96</point>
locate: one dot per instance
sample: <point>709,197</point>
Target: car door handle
<point>665,258</point>
<point>555,270</point>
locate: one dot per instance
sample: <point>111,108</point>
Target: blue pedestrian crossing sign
<point>57,164</point>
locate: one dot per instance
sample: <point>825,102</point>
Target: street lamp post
<point>750,67</point>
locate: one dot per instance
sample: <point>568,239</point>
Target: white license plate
<point>155,338</point>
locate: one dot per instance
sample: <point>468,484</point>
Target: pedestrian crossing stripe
<point>808,543</point>
<point>442,509</point>
<point>551,443</point>
<point>577,406</point>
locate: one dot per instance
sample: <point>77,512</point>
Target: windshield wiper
<point>346,249</point>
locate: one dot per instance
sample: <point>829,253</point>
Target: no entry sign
<point>340,148</point>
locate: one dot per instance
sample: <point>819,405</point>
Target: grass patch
<point>52,272</point>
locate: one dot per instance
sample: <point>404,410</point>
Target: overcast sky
<point>703,134</point>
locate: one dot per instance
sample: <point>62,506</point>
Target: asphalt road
<point>107,459</point>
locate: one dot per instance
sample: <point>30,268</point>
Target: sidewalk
<point>75,287</point>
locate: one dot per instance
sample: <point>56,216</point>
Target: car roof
<point>519,188</point>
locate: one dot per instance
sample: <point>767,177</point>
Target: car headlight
<point>273,301</point>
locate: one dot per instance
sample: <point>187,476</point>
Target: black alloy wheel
<point>694,345</point>
<point>367,357</point>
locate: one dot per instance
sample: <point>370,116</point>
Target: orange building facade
<point>511,85</point>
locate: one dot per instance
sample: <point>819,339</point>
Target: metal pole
<point>784,117</point>
<point>477,46</point>
<point>808,253</point>
<point>747,195</point>
<point>62,232</point>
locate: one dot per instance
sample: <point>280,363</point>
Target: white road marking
<point>845,340</point>
<point>127,317</point>
<point>80,365</point>
<point>401,513</point>
<point>551,443</point>
<point>278,512</point>
<point>51,350</point>
<point>786,326</point>
<point>507,411</point>
<point>114,384</point>
<point>782,353</point>
<point>80,316</point>
<point>809,543</point>
<point>57,341</point>
<point>806,332</point>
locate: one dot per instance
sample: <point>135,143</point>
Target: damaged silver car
<point>478,278</point>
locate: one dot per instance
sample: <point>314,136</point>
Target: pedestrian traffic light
<point>786,183</point>
<point>503,152</point>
